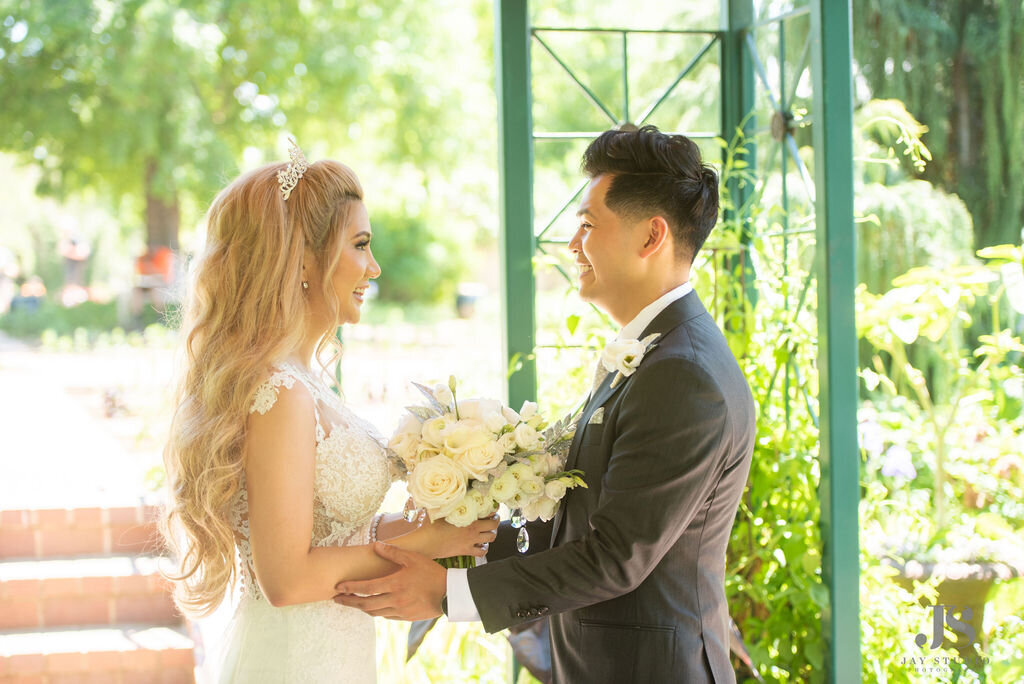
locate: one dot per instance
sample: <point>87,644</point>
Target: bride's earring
<point>305,285</point>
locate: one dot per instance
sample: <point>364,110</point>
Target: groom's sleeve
<point>674,438</point>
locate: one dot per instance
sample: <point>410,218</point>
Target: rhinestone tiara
<point>289,177</point>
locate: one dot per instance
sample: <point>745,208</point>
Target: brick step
<point>54,532</point>
<point>84,591</point>
<point>119,654</point>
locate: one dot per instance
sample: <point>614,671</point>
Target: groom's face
<point>603,246</point>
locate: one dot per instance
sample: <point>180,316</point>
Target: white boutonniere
<point>624,356</point>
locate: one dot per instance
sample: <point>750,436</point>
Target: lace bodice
<point>352,474</point>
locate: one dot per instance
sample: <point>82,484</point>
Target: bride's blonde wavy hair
<point>245,309</point>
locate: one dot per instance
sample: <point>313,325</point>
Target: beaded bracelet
<point>373,527</point>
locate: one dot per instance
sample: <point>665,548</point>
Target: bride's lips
<point>359,293</point>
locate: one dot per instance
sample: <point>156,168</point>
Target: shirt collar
<point>632,330</point>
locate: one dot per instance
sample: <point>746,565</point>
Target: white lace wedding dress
<point>323,641</point>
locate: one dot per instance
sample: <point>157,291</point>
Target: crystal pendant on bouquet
<point>517,519</point>
<point>523,540</point>
<point>410,513</point>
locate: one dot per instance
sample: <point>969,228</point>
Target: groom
<point>632,568</point>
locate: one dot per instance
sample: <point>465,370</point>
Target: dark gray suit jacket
<point>634,579</point>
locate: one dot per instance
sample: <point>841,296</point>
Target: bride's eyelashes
<point>362,244</point>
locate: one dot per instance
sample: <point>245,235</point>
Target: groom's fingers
<point>370,587</point>
<point>395,554</point>
<point>372,605</point>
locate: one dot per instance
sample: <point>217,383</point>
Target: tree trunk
<point>163,216</point>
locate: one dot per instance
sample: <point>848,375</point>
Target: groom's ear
<point>655,235</point>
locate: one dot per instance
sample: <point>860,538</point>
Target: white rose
<point>443,395</point>
<point>465,512</point>
<point>528,411</point>
<point>623,356</point>
<point>465,435</point>
<point>477,462</point>
<point>504,487</point>
<point>477,408</point>
<point>526,437</point>
<point>555,490</point>
<point>438,485</point>
<point>495,421</point>
<point>434,431</point>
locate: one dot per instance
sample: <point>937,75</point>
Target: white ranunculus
<point>434,431</point>
<point>531,486</point>
<point>477,462</point>
<point>555,490</point>
<point>438,485</point>
<point>521,471</point>
<point>546,508</point>
<point>528,411</point>
<point>495,421</point>
<point>536,422</point>
<point>504,487</point>
<point>486,506</point>
<point>443,395</point>
<point>507,442</point>
<point>526,437</point>
<point>623,356</point>
<point>465,512</point>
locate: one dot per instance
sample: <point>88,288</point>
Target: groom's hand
<point>413,592</point>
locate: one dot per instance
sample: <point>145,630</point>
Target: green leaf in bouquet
<point>431,399</point>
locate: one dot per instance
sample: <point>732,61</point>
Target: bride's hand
<point>445,540</point>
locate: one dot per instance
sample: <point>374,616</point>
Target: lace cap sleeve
<point>266,394</point>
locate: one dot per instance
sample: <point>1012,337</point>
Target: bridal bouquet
<point>466,458</point>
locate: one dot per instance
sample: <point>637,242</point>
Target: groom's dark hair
<point>656,174</point>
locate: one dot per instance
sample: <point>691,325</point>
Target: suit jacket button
<point>543,610</point>
<point>520,614</point>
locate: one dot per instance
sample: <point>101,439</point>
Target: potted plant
<point>942,434</point>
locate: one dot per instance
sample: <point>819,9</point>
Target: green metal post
<point>836,277</point>
<point>737,88</point>
<point>737,82</point>
<point>515,162</point>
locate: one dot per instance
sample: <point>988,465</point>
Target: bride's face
<point>356,265</point>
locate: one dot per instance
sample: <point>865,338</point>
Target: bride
<point>263,457</point>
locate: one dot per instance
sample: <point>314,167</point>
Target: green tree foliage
<point>155,103</point>
<point>959,67</point>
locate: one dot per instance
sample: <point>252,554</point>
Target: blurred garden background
<point>121,119</point>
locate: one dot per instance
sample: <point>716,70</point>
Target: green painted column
<point>737,84</point>
<point>515,164</point>
<point>837,354</point>
<point>737,88</point>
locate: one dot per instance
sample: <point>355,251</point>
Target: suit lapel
<point>674,315</point>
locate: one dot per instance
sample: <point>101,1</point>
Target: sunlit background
<point>121,120</point>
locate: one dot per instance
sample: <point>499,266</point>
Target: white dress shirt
<point>461,607</point>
